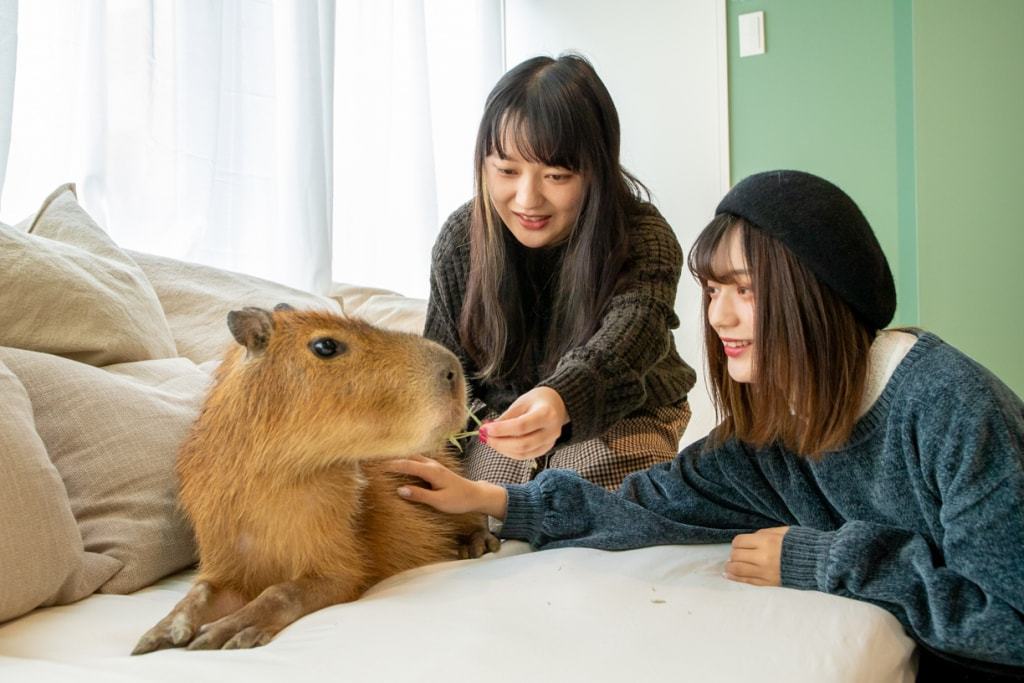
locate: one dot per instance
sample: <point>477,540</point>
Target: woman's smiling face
<point>731,307</point>
<point>539,204</point>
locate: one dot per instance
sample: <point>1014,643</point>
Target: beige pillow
<point>42,561</point>
<point>70,291</point>
<point>382,307</point>
<point>197,299</point>
<point>113,434</point>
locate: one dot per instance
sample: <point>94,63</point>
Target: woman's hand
<point>757,558</point>
<point>530,426</point>
<point>448,491</point>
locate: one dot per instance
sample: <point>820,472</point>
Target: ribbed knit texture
<point>631,361</point>
<point>920,513</point>
<point>804,555</point>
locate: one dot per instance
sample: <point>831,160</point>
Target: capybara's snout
<point>449,385</point>
<point>448,373</point>
<point>316,377</point>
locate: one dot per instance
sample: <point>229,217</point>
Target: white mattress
<point>656,614</point>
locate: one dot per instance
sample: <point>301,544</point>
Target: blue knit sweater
<point>921,513</point>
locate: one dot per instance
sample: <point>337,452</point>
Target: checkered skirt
<point>632,444</point>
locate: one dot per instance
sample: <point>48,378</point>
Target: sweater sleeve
<point>603,380</point>
<point>966,596</point>
<point>687,500</point>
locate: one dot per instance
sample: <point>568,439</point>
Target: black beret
<point>823,228</point>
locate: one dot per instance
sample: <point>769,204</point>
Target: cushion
<point>42,560</point>
<point>197,299</point>
<point>76,293</point>
<point>113,435</point>
<point>382,307</point>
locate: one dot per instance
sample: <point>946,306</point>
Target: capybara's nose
<point>448,370</point>
<point>451,373</point>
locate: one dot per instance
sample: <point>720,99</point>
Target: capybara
<point>282,475</point>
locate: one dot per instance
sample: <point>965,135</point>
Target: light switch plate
<point>751,34</point>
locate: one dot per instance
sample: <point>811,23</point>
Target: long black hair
<point>559,113</point>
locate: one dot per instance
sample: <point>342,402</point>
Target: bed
<point>663,613</point>
<point>103,362</point>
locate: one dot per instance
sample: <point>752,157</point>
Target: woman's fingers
<point>523,419</point>
<point>753,581</point>
<point>748,556</point>
<point>430,471</point>
<point>524,448</point>
<point>755,557</point>
<point>443,489</point>
<point>743,568</point>
<point>416,494</point>
<point>746,572</point>
<point>746,541</point>
<point>413,467</point>
<point>506,426</point>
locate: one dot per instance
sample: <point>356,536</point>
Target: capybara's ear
<point>284,307</point>
<point>251,328</point>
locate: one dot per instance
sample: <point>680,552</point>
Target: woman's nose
<point>721,312</point>
<point>528,193</point>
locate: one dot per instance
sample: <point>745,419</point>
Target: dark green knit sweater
<point>630,362</point>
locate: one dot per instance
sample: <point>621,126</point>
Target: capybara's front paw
<point>232,633</point>
<point>478,543</point>
<point>174,630</point>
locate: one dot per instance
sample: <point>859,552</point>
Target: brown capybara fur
<point>283,478</point>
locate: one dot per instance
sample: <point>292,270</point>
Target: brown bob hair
<point>810,351</point>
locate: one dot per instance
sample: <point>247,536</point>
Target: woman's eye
<point>327,347</point>
<point>505,171</point>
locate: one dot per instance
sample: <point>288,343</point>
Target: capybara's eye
<point>325,347</point>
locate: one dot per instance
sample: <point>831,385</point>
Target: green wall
<point>969,96</point>
<point>888,98</point>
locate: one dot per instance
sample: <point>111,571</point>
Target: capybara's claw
<point>204,641</point>
<point>231,633</point>
<point>248,638</point>
<point>145,644</point>
<point>478,544</point>
<point>163,636</point>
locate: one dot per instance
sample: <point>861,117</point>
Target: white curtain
<point>411,80</point>
<point>253,135</point>
<point>8,54</point>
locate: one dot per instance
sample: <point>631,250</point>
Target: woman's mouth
<point>735,348</point>
<point>532,222</point>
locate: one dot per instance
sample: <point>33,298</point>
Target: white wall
<point>664,62</point>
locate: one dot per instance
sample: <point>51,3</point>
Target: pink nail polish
<point>483,435</point>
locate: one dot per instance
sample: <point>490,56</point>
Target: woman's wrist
<point>493,499</point>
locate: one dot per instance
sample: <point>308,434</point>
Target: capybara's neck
<point>254,431</point>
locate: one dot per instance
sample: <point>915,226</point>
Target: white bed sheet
<point>656,614</point>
